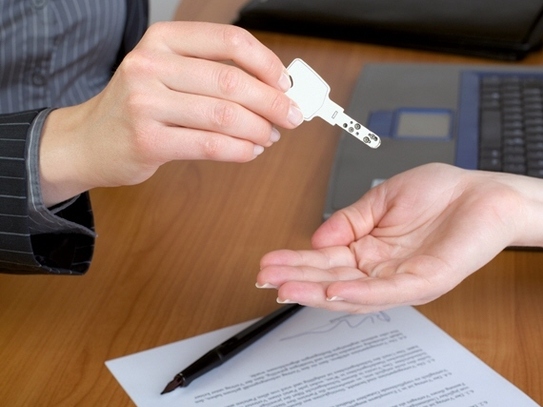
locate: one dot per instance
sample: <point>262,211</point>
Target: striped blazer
<point>59,253</point>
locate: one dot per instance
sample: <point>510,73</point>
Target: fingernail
<point>335,298</point>
<point>265,285</point>
<point>295,116</point>
<point>284,82</point>
<point>258,150</point>
<point>280,301</point>
<point>275,135</point>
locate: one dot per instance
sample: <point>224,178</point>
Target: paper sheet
<point>396,358</point>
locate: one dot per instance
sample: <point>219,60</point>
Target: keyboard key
<point>538,173</point>
<point>511,124</point>
<point>515,168</point>
<point>534,156</point>
<point>490,164</point>
<point>491,129</point>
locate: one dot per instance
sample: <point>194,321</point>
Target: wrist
<point>60,157</point>
<point>527,213</point>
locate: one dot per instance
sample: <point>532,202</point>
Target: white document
<point>396,358</point>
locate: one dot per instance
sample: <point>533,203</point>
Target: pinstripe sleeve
<point>20,251</point>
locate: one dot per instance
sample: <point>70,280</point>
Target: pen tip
<point>174,384</point>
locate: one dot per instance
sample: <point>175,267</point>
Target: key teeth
<point>355,129</point>
<point>377,144</point>
<point>372,140</point>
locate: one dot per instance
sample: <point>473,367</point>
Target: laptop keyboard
<point>511,124</point>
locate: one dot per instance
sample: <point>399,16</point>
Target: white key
<point>311,94</point>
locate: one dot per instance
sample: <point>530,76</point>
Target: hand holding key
<point>311,94</point>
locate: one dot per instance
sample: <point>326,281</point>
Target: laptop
<point>501,29</point>
<point>474,117</point>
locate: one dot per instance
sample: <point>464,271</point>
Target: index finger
<point>221,42</point>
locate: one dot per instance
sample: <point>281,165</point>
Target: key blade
<point>354,128</point>
<point>311,93</point>
<point>308,89</point>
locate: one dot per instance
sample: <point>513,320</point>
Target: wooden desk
<point>177,256</point>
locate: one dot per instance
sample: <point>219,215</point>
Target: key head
<point>311,92</point>
<point>308,89</point>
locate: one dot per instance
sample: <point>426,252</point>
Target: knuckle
<point>157,29</point>
<point>140,130</point>
<point>136,103</point>
<point>137,63</point>
<point>236,39</point>
<point>223,115</point>
<point>241,44</point>
<point>271,69</point>
<point>216,147</point>
<point>229,80</point>
<point>143,131</point>
<point>211,148</point>
<point>143,143</point>
<point>156,35</point>
<point>279,105</point>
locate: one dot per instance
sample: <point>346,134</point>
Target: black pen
<point>231,347</point>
